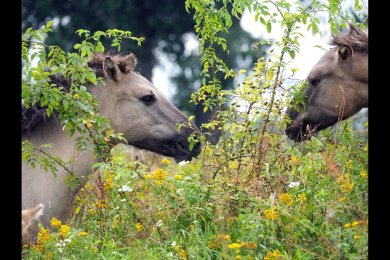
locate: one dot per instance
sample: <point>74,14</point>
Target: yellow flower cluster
<point>182,254</point>
<point>214,245</point>
<point>364,174</point>
<point>43,236</point>
<point>293,160</point>
<point>249,245</point>
<point>224,237</point>
<point>139,227</point>
<point>165,161</point>
<point>345,183</point>
<point>82,233</point>
<point>55,222</point>
<point>234,245</point>
<point>178,177</point>
<point>271,213</point>
<point>108,180</point>
<point>343,199</point>
<point>302,197</point>
<point>159,175</point>
<point>286,198</point>
<point>101,204</point>
<point>64,230</point>
<point>273,255</point>
<point>354,223</point>
<point>348,164</point>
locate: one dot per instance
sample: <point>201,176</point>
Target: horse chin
<point>301,132</point>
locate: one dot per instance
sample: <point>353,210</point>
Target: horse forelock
<point>356,38</point>
<point>125,64</point>
<point>36,115</point>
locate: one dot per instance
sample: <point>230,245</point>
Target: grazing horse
<point>337,86</point>
<point>135,108</point>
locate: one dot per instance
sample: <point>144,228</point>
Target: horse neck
<point>63,146</point>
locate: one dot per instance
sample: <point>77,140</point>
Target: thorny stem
<point>276,82</point>
<point>54,159</point>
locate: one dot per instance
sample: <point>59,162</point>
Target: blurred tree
<point>162,24</point>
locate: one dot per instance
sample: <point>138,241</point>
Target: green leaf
<point>292,53</point>
<point>268,27</point>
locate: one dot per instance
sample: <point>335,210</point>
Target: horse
<point>29,215</point>
<point>147,119</point>
<point>337,87</point>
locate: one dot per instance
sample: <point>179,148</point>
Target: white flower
<point>125,188</point>
<point>160,223</point>
<point>173,243</point>
<point>294,184</point>
<point>183,163</point>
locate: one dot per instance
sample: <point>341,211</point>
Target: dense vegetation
<point>253,195</point>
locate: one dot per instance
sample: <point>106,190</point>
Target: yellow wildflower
<point>43,236</point>
<point>302,197</point>
<point>355,223</point>
<point>238,257</point>
<point>234,245</point>
<point>343,199</point>
<point>108,182</point>
<point>356,237</point>
<point>347,225</point>
<point>178,177</point>
<point>183,254</point>
<point>286,198</point>
<point>176,248</point>
<point>224,237</point>
<point>64,230</point>
<point>346,185</point>
<point>148,176</point>
<point>348,164</point>
<point>165,161</point>
<point>214,245</point>
<point>364,174</point>
<point>101,204</point>
<point>159,175</point>
<point>55,222</point>
<point>293,160</point>
<point>365,148</point>
<point>82,233</point>
<point>273,255</point>
<point>271,213</point>
<point>139,227</point>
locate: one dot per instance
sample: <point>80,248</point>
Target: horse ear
<point>110,69</point>
<point>127,63</point>
<point>345,52</point>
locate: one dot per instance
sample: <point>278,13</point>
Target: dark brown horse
<point>337,86</point>
<point>135,108</point>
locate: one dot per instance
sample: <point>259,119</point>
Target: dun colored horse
<point>337,86</point>
<point>135,108</point>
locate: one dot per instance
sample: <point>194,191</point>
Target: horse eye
<point>314,82</point>
<point>148,99</point>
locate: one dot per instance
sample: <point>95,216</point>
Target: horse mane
<point>356,38</point>
<point>36,115</point>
